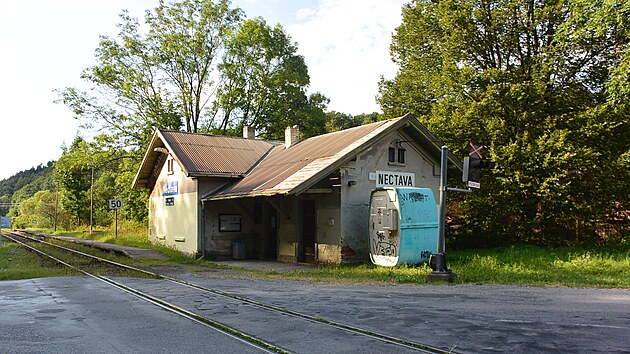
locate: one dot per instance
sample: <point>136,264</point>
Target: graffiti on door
<point>384,246</point>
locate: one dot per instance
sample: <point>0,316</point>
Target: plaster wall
<point>355,198</point>
<point>286,219</point>
<point>219,237</point>
<point>174,225</point>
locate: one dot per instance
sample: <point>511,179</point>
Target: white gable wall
<point>175,225</point>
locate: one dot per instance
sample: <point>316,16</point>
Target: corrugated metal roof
<point>285,170</point>
<point>269,168</point>
<point>210,155</point>
<point>202,155</point>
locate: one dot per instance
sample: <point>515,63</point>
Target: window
<point>229,223</point>
<point>401,155</point>
<point>392,154</point>
<point>169,166</point>
<point>396,155</point>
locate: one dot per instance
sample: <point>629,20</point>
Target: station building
<point>298,201</point>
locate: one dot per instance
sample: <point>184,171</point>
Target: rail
<point>400,342</point>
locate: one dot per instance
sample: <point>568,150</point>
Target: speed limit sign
<point>115,204</point>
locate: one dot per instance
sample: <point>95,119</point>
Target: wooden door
<point>309,231</point>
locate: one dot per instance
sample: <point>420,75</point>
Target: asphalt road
<point>84,315</point>
<point>80,314</point>
<point>466,318</point>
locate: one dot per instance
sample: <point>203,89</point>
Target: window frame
<point>396,156</point>
<point>169,166</point>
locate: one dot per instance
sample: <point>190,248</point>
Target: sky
<point>46,44</point>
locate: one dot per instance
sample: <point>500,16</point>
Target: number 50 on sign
<point>115,204</point>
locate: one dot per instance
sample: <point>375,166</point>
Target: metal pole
<point>443,187</point>
<point>438,261</point>
<point>91,197</point>
<point>116,222</point>
<point>56,202</point>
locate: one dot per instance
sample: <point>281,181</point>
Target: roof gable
<point>269,168</point>
<point>285,170</point>
<point>201,155</point>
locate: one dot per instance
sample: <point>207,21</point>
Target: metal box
<point>403,226</point>
<point>239,250</point>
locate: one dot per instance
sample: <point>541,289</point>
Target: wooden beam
<point>318,191</point>
<point>242,207</point>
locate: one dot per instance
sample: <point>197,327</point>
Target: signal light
<point>472,170</point>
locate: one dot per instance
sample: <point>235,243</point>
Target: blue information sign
<point>170,188</point>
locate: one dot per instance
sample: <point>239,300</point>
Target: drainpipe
<point>202,229</point>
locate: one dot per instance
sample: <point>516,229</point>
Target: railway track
<point>262,325</point>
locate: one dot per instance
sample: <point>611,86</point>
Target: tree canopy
<point>193,65</point>
<point>24,185</point>
<point>544,85</point>
<point>336,121</point>
<point>113,172</point>
<point>264,80</point>
<point>196,65</point>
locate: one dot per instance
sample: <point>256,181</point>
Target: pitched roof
<point>293,170</point>
<point>201,155</point>
<point>263,168</point>
<point>284,170</point>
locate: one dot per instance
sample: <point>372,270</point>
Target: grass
<point>544,266</point>
<point>360,273</point>
<point>18,263</point>
<point>521,265</point>
<point>517,265</point>
<point>133,238</point>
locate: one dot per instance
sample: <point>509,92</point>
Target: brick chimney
<point>291,136</point>
<point>249,132</point>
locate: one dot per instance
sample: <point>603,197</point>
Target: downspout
<point>202,228</point>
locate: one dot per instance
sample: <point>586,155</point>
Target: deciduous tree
<point>194,65</point>
<point>263,77</point>
<point>165,78</point>
<point>114,170</point>
<point>539,83</point>
<point>37,211</point>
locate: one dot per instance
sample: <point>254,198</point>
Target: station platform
<point>131,252</point>
<point>136,252</point>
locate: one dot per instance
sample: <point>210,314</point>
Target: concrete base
<point>441,276</point>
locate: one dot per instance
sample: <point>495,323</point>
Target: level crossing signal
<point>473,165</point>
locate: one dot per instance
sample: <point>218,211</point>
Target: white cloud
<point>305,14</point>
<point>346,47</point>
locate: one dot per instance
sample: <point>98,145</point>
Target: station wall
<point>174,209</point>
<point>361,176</point>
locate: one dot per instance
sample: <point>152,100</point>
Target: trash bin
<point>239,250</point>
